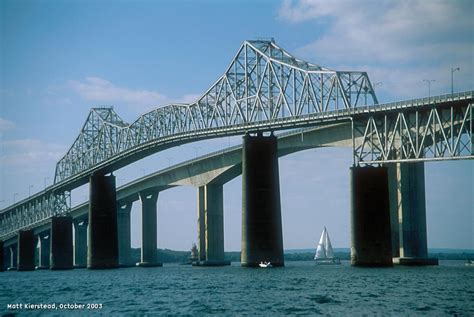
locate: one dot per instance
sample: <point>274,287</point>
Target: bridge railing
<point>417,102</point>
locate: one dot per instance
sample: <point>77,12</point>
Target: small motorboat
<point>265,264</point>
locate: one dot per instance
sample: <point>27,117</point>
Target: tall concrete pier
<point>2,257</point>
<point>26,250</point>
<point>7,257</point>
<point>408,214</point>
<point>102,250</point>
<point>62,257</point>
<point>44,249</point>
<point>262,237</point>
<point>124,234</point>
<point>13,257</point>
<point>149,256</point>
<point>80,242</point>
<point>371,243</point>
<point>201,219</point>
<point>211,225</point>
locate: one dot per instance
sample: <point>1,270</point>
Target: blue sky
<point>60,58</point>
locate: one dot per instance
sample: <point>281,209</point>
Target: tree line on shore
<point>173,256</point>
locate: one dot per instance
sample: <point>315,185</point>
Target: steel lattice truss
<point>99,139</point>
<point>34,212</point>
<point>263,86</point>
<point>263,83</point>
<point>422,134</point>
<point>433,128</point>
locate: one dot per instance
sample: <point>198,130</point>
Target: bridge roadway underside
<point>218,169</point>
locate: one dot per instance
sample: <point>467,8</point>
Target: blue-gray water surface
<point>300,288</point>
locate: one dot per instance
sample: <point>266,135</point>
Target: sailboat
<point>194,253</point>
<point>324,253</point>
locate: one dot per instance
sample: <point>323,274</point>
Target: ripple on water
<point>322,299</point>
<point>297,310</point>
<point>423,308</point>
<point>370,295</point>
<point>298,289</point>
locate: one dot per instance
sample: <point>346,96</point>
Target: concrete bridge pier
<point>43,250</point>
<point>149,252</point>
<point>408,214</point>
<point>12,257</point>
<point>2,257</point>
<point>102,249</point>
<point>26,250</point>
<point>262,237</point>
<point>62,253</point>
<point>7,257</point>
<point>211,225</point>
<point>80,242</point>
<point>371,243</point>
<point>124,235</point>
<point>201,208</point>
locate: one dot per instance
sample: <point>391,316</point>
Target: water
<point>300,288</point>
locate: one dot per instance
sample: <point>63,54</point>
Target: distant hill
<point>172,256</point>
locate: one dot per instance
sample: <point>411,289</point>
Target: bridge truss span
<point>434,131</point>
<point>263,84</point>
<point>34,212</point>
<point>264,89</point>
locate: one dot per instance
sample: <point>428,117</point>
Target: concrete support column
<point>26,250</point>
<point>13,250</point>
<point>2,257</point>
<point>80,242</point>
<point>44,250</point>
<point>371,240</point>
<point>214,201</point>
<point>408,214</point>
<point>149,256</point>
<point>201,206</point>
<point>102,249</point>
<point>211,225</point>
<point>262,237</point>
<point>124,235</point>
<point>62,254</point>
<point>6,257</point>
<point>393,201</point>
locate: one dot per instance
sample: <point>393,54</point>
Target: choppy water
<point>300,288</point>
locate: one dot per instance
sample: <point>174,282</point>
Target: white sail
<point>328,246</point>
<point>324,252</point>
<point>321,249</point>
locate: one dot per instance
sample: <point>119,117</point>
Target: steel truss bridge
<point>264,88</point>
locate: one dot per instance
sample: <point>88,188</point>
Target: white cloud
<point>101,90</point>
<point>188,98</point>
<point>409,38</point>
<point>25,154</point>
<point>98,89</point>
<point>27,166</point>
<point>6,125</point>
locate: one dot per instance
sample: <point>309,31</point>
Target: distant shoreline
<point>173,256</point>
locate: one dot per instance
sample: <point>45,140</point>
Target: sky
<point>60,58</point>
